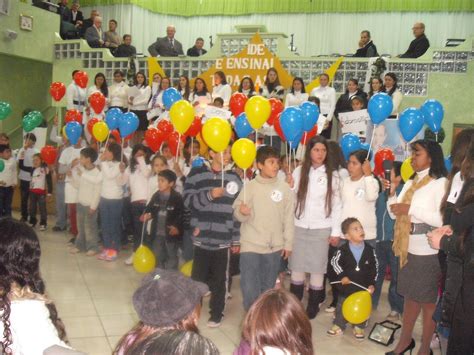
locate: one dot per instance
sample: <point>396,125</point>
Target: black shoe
<point>58,229</point>
<point>72,240</point>
<point>410,348</point>
<point>297,290</point>
<point>314,299</point>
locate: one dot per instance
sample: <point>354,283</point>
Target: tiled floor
<point>94,300</point>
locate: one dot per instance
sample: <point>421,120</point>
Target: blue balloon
<point>198,162</point>
<point>170,96</point>
<point>128,124</point>
<point>310,115</point>
<point>291,122</point>
<point>73,132</point>
<point>349,143</point>
<point>295,142</point>
<point>380,107</point>
<point>448,164</point>
<point>410,123</point>
<point>112,118</point>
<point>433,114</point>
<point>242,126</point>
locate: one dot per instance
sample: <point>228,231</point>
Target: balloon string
<point>245,178</point>
<point>121,150</point>
<point>294,158</point>
<point>222,169</point>
<point>352,282</point>
<point>371,139</point>
<point>271,142</point>
<point>192,150</point>
<point>143,232</point>
<point>177,149</point>
<point>58,114</point>
<point>436,135</point>
<point>256,135</point>
<point>107,140</point>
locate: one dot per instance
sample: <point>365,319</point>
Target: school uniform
<point>76,97</point>
<point>140,104</point>
<point>295,99</point>
<point>222,91</point>
<point>118,96</point>
<point>25,178</point>
<point>327,105</point>
<point>8,181</point>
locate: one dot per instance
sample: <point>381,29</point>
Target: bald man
<point>167,46</point>
<point>419,45</point>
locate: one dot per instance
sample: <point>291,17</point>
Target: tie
<point>171,43</point>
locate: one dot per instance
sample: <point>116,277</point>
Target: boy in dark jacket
<point>354,262</point>
<point>166,210</point>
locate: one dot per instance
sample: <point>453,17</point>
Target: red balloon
<point>166,127</point>
<point>380,156</point>
<point>81,79</point>
<point>308,135</point>
<point>57,90</point>
<point>116,134</point>
<point>277,108</point>
<point>153,138</point>
<point>91,123</point>
<point>97,102</point>
<point>195,128</point>
<point>237,103</point>
<point>278,130</point>
<point>73,115</point>
<point>49,154</point>
<point>173,142</point>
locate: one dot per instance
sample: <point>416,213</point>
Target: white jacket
<point>8,177</point>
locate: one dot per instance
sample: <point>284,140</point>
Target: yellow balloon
<point>63,131</point>
<point>100,131</point>
<point>244,152</point>
<point>182,115</point>
<point>406,170</point>
<point>187,268</point>
<point>217,132</point>
<point>357,307</point>
<point>204,149</point>
<point>258,110</point>
<point>144,260</point>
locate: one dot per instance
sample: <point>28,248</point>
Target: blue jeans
<point>110,217</point>
<point>87,238</point>
<point>386,257</point>
<point>188,247</point>
<point>258,273</point>
<point>61,208</point>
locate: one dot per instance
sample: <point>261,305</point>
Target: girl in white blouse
<point>327,103</point>
<point>391,88</point>
<point>200,97</point>
<point>100,85</point>
<point>138,97</point>
<point>221,88</point>
<point>297,94</point>
<point>118,92</point>
<point>183,87</point>
<point>247,87</point>
<point>155,85</point>
<point>376,86</point>
<point>155,105</point>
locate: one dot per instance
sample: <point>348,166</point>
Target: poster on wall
<point>354,122</point>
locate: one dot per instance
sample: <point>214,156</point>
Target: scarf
<point>403,222</point>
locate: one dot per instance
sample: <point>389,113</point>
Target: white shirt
<point>141,96</point>
<point>118,94</point>
<point>66,158</point>
<point>424,208</point>
<point>358,200</point>
<point>327,99</point>
<point>222,91</point>
<point>314,214</point>
<point>397,98</point>
<point>112,180</point>
<point>295,99</point>
<point>200,102</point>
<point>152,186</point>
<point>27,162</point>
<point>88,186</point>
<point>78,94</point>
<point>138,180</point>
<point>8,177</point>
<point>92,89</point>
<point>456,187</point>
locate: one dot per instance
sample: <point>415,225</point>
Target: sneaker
<point>42,228</point>
<point>111,255</point>
<point>102,255</point>
<point>74,250</point>
<point>228,295</point>
<point>334,331</point>
<point>393,316</point>
<point>91,253</point>
<point>129,260</point>
<point>330,309</point>
<point>359,333</point>
<point>207,294</point>
<point>72,241</point>
<point>214,323</point>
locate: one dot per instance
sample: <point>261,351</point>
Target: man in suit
<point>126,49</point>
<point>167,46</point>
<point>419,45</point>
<point>88,22</point>
<point>94,36</point>
<point>197,50</point>
<point>76,16</point>
<point>367,48</point>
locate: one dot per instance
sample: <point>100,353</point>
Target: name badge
<point>322,180</point>
<point>276,196</point>
<point>232,188</point>
<point>360,193</point>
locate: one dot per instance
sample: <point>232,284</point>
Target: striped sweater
<point>214,218</point>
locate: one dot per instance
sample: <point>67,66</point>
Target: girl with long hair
<point>272,87</point>
<point>221,88</point>
<point>247,87</point>
<point>327,103</point>
<point>297,94</point>
<point>376,86</point>
<point>183,87</point>
<point>138,97</point>
<point>391,88</point>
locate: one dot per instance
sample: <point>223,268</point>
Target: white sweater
<point>112,180</point>
<point>88,186</point>
<point>141,96</point>
<point>27,162</point>
<point>358,200</point>
<point>78,94</point>
<point>314,214</point>
<point>295,99</point>
<point>222,91</point>
<point>327,100</point>
<point>118,94</point>
<point>66,158</point>
<point>424,208</point>
<point>138,181</point>
<point>8,177</point>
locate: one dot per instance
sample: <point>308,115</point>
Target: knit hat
<point>166,297</point>
<point>168,175</point>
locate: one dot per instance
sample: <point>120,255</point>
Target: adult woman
<point>317,220</point>
<point>29,321</point>
<point>272,87</point>
<point>155,85</point>
<point>138,97</point>
<point>221,88</point>
<point>183,87</point>
<point>327,99</point>
<point>100,85</point>
<point>118,92</point>
<point>376,86</point>
<point>344,103</point>
<point>247,87</point>
<point>391,88</point>
<point>417,211</point>
<point>297,94</point>
<point>155,105</point>
<point>200,97</point>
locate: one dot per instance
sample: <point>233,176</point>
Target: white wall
<point>314,33</point>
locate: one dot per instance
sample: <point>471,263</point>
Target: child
<point>357,103</point>
<point>166,209</point>
<point>87,181</point>
<point>355,261</point>
<point>215,231</point>
<point>267,226</point>
<point>158,164</point>
<point>41,185</point>
<point>8,181</point>
<point>4,139</point>
<point>218,102</point>
<point>26,154</point>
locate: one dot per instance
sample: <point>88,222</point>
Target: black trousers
<point>25,194</point>
<point>6,197</point>
<point>38,201</point>
<point>212,268</point>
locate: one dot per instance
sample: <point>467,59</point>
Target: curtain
<point>247,7</point>
<point>314,34</point>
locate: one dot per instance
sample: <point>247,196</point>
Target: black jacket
<point>125,51</point>
<point>417,47</point>
<point>85,25</point>
<point>369,50</point>
<point>344,104</point>
<point>344,264</point>
<point>194,52</point>
<point>174,214</point>
<point>79,17</point>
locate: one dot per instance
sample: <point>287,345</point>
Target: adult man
<point>75,96</point>
<point>126,49</point>
<point>64,11</point>
<point>197,50</point>
<point>112,36</point>
<point>89,22</point>
<point>94,35</point>
<point>367,48</point>
<point>77,18</point>
<point>419,45</point>
<point>167,46</point>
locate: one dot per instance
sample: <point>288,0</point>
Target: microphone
<point>387,166</point>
